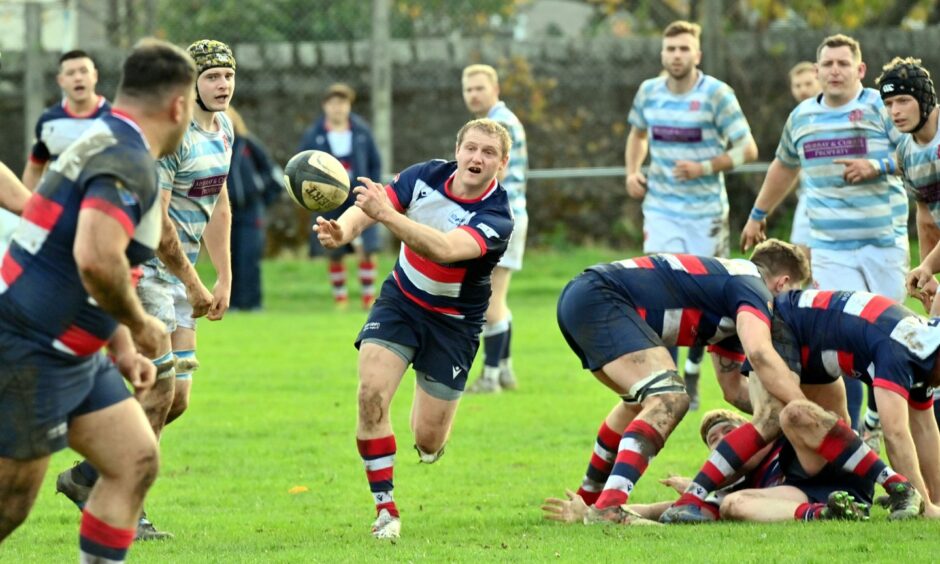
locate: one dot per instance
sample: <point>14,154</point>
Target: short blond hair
<point>679,27</point>
<point>800,68</point>
<point>489,127</point>
<point>779,257</point>
<point>486,70</point>
<point>897,62</point>
<point>717,417</point>
<point>841,40</point>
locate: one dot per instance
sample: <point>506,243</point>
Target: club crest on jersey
<point>856,115</point>
<point>461,217</point>
<point>695,106</point>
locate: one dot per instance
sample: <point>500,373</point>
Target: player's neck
<point>82,107</point>
<point>839,101</point>
<point>684,84</point>
<point>337,125</point>
<point>204,119</point>
<point>929,131</point>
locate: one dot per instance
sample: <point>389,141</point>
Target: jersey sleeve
<point>787,151</point>
<point>491,231</point>
<point>39,154</point>
<point>167,168</point>
<point>729,118</point>
<point>108,194</point>
<point>636,118</point>
<point>401,189</point>
<point>749,294</point>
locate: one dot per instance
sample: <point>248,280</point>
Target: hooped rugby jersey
<point>459,290</point>
<point>108,169</point>
<point>58,127</point>
<point>695,126</point>
<point>195,174</point>
<point>690,300</point>
<point>920,169</point>
<point>865,336</point>
<point>845,216</point>
<point>518,168</point>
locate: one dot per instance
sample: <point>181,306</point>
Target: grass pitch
<point>264,468</point>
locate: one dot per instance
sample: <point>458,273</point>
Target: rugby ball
<point>316,181</point>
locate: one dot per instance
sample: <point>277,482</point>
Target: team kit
<point>819,360</point>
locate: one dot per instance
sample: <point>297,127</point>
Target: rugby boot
<point>904,501</point>
<point>146,531</point>
<point>689,513</point>
<point>484,385</point>
<point>426,458</point>
<point>386,526</point>
<point>77,493</point>
<point>842,506</point>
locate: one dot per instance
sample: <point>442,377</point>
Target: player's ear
<point>862,67</point>
<point>178,108</point>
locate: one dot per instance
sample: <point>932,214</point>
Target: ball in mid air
<point>316,180</point>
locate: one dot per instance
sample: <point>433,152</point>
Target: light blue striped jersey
<point>195,174</point>
<point>845,216</point>
<point>920,169</point>
<point>518,168</point>
<point>697,125</point>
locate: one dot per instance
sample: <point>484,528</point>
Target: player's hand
<point>150,336</point>
<point>917,280</point>
<point>857,170</point>
<point>199,297</point>
<point>678,483</point>
<point>636,185</point>
<point>687,170</point>
<point>372,199</point>
<point>571,510</point>
<point>221,297</point>
<point>754,232</point>
<point>329,233</point>
<point>138,370</point>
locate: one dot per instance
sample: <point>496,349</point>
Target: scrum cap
<point>913,80</point>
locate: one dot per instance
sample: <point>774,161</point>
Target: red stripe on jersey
<point>35,160</point>
<point>424,304</point>
<point>433,270</point>
<point>476,237</point>
<point>725,353</point>
<point>921,405</point>
<point>874,308</point>
<point>10,270</point>
<point>756,312</point>
<point>113,211</point>
<point>42,211</point>
<point>643,262</point>
<point>641,311</point>
<point>892,386</point>
<point>804,355</point>
<point>688,326</point>
<point>846,362</point>
<point>393,198</point>
<point>821,300</point>
<point>80,341</point>
<point>692,264</point>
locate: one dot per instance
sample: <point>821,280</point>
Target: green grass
<point>274,407</point>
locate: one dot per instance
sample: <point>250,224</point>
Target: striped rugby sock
<point>639,445</point>
<point>379,458</point>
<point>842,447</point>
<point>100,542</point>
<point>602,460</point>
<point>724,462</point>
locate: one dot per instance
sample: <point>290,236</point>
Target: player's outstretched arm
<point>13,194</point>
<point>773,372</point>
<point>218,238</point>
<point>428,242</point>
<point>927,438</point>
<point>733,383</point>
<point>170,252</point>
<point>334,233</point>
<point>902,452</point>
<point>776,184</point>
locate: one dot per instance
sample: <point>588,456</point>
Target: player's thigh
<point>630,374</point>
<point>156,297</point>
<point>701,237</point>
<point>837,270</point>
<point>382,365</point>
<point>829,396</point>
<point>115,439</point>
<point>20,481</point>
<point>884,270</point>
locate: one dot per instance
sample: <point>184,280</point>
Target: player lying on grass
<point>783,481</point>
<point>619,318</point>
<point>825,336</point>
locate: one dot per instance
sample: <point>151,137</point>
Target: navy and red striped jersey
<point>108,169</point>
<point>865,336</point>
<point>58,127</point>
<point>690,300</point>
<point>460,290</point>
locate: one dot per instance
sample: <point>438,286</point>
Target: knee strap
<point>186,362</point>
<point>659,383</point>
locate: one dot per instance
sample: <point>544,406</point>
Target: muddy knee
<point>803,414</point>
<point>373,407</point>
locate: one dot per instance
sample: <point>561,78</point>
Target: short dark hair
<point>155,68</point>
<point>75,54</point>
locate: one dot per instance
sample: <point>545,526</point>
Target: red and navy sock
<point>100,542</point>
<point>724,462</point>
<point>602,460</point>
<point>842,447</point>
<point>338,281</point>
<point>640,443</point>
<point>367,269</point>
<point>379,458</point>
<point>809,511</point>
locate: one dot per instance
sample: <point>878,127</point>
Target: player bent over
<point>95,213</point>
<point>824,336</point>
<point>454,222</point>
<point>774,486</point>
<point>620,317</point>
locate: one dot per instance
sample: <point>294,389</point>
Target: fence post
<point>381,83</point>
<point>33,67</point>
<point>713,45</point>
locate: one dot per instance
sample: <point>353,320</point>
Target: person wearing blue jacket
<point>347,137</point>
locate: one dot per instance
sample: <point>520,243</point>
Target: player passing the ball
<point>454,221</point>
